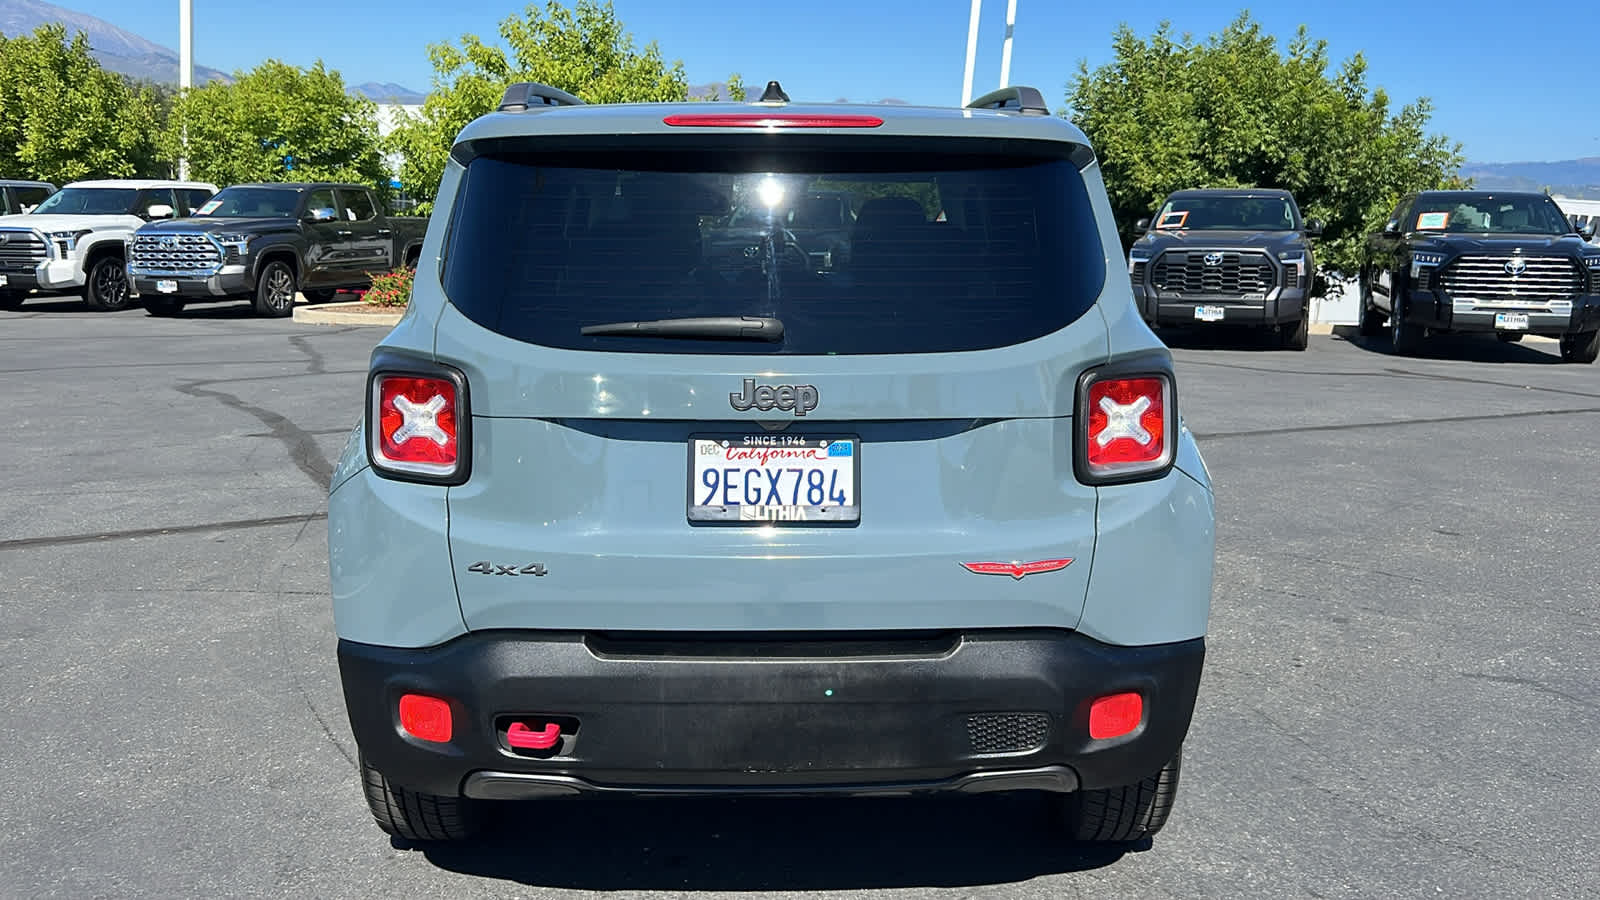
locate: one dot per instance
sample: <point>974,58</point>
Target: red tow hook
<point>522,737</point>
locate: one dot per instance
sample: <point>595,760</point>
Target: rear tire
<point>1297,337</point>
<point>1583,348</point>
<point>275,290</point>
<point>1371,317</point>
<point>320,295</point>
<point>164,307</point>
<point>1124,814</point>
<point>107,288</point>
<point>12,299</point>
<point>413,816</point>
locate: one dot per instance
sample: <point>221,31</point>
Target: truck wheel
<point>275,290</point>
<point>107,290</point>
<point>320,295</point>
<point>1296,337</point>
<point>1123,814</point>
<point>1583,348</point>
<point>163,306</point>
<point>1405,338</point>
<point>12,299</point>
<point>1371,317</point>
<point>411,816</point>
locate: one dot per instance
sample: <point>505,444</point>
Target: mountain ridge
<point>126,53</point>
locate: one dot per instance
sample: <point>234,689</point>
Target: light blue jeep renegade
<point>771,448</point>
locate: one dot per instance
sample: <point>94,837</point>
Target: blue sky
<point>1509,87</point>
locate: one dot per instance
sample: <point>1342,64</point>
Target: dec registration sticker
<point>766,478</point>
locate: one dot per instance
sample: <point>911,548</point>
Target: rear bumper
<point>857,715</point>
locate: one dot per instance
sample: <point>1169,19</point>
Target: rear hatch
<point>699,401</point>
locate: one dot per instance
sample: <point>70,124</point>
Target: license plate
<point>166,286</point>
<point>773,479</point>
<point>1209,313</point>
<point>1511,321</point>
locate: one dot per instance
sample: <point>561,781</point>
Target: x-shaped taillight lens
<point>1128,426</point>
<point>417,420</point>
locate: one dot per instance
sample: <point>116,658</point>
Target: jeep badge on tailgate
<point>802,398</point>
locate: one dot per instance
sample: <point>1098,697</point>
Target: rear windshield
<point>852,251</point>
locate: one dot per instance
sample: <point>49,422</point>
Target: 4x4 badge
<point>802,398</point>
<point>1017,569</point>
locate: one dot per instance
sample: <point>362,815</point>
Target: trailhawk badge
<point>1017,569</point>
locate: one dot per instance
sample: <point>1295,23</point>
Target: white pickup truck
<point>76,240</point>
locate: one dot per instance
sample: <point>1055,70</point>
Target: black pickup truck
<point>1234,256</point>
<point>1487,262</point>
<point>265,242</point>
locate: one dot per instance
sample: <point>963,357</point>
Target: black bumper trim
<point>522,786</point>
<point>779,722</point>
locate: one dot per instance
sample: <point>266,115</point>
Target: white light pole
<point>185,72</point>
<point>972,52</point>
<point>1005,55</point>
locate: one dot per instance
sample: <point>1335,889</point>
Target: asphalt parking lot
<point>1402,697</point>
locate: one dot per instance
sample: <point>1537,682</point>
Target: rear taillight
<point>417,424</point>
<point>1126,425</point>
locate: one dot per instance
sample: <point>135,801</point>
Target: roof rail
<point>524,94</point>
<point>1024,99</point>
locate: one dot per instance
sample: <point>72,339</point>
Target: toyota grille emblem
<point>1516,266</point>
<point>4,238</point>
<point>1213,259</point>
<point>169,241</point>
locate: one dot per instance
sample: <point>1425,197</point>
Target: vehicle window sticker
<point>1173,219</point>
<point>1432,221</point>
<point>209,208</point>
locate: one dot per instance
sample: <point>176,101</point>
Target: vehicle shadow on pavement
<point>1222,337</point>
<point>227,310</point>
<point>1480,348</point>
<point>614,844</point>
<point>54,305</point>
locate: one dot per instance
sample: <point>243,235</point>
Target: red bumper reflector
<point>771,120</point>
<point>425,718</point>
<point>1115,715</point>
<point>524,738</point>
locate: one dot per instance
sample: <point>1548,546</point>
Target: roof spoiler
<point>524,94</point>
<point>1025,100</point>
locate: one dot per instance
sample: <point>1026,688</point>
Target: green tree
<point>1233,111</point>
<point>583,50</point>
<point>278,122</point>
<point>64,118</point>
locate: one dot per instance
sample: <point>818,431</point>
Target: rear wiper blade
<point>749,328</point>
